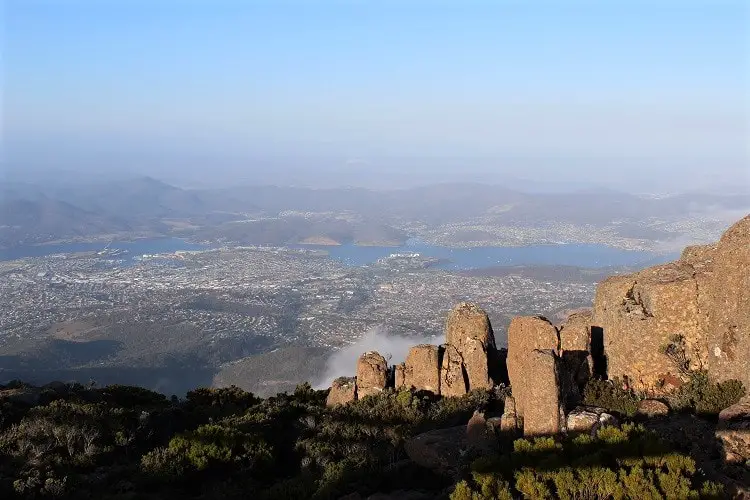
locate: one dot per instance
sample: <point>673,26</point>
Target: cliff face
<point>704,297</point>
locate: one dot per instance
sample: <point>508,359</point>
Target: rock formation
<point>468,329</point>
<point>509,419</point>
<point>343,390</point>
<point>733,431</point>
<point>399,375</point>
<point>439,450</point>
<point>575,345</point>
<point>540,399</point>
<point>422,368</point>
<point>452,376</point>
<point>589,419</point>
<point>372,374</point>
<point>652,408</point>
<point>724,302</point>
<point>704,298</point>
<point>526,335</point>
<point>479,437</point>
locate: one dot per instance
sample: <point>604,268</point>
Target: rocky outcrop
<point>343,390</point>
<point>704,298</point>
<point>468,329</point>
<point>542,406</point>
<point>575,346</point>
<point>479,438</point>
<point>372,374</point>
<point>639,314</point>
<point>652,408</point>
<point>733,432</point>
<point>525,335</point>
<point>724,293</point>
<point>575,333</point>
<point>422,368</point>
<point>439,450</point>
<point>589,419</point>
<point>399,375</point>
<point>452,375</point>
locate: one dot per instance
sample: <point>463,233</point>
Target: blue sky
<point>517,87</point>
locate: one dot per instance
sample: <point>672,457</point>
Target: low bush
<point>705,396</point>
<point>627,462</point>
<point>610,395</point>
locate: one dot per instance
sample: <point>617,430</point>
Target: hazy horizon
<point>623,95</point>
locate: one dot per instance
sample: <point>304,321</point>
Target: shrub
<point>704,396</point>
<point>676,351</point>
<point>627,462</point>
<point>611,396</point>
<point>212,445</point>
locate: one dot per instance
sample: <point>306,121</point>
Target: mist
<point>343,363</point>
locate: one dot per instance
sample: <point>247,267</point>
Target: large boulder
<point>439,450</point>
<point>575,332</point>
<point>525,335</point>
<point>652,408</point>
<point>542,406</point>
<point>704,298</point>
<point>468,328</point>
<point>422,368</point>
<point>588,419</point>
<point>452,374</point>
<point>399,375</point>
<point>479,438</point>
<point>372,374</point>
<point>575,353</point>
<point>509,420</point>
<point>639,314</point>
<point>726,307</point>
<point>343,390</point>
<point>733,432</point>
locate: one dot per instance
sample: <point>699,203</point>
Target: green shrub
<point>706,397</point>
<point>211,445</point>
<point>626,462</point>
<point>611,396</point>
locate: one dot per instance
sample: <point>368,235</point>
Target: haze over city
<point>637,96</point>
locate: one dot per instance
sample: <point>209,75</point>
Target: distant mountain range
<point>60,210</point>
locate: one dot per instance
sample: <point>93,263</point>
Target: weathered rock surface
<point>372,374</point>
<point>703,297</point>
<point>525,335</point>
<point>726,307</point>
<point>733,431</point>
<point>652,408</point>
<point>589,419</point>
<point>399,375</point>
<point>439,450</point>
<point>468,328</point>
<point>422,368</point>
<point>575,332</point>
<point>575,347</point>
<point>343,390</point>
<point>452,376</point>
<point>479,438</point>
<point>639,314</point>
<point>541,397</point>
<point>509,421</point>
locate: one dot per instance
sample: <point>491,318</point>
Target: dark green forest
<point>121,442</point>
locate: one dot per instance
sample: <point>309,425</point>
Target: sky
<point>617,93</point>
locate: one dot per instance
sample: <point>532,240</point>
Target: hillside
<point>454,214</point>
